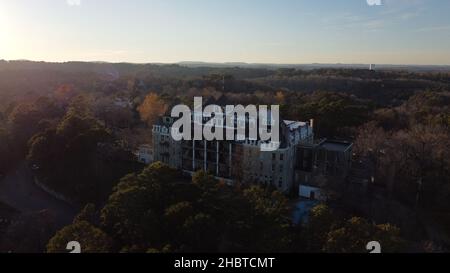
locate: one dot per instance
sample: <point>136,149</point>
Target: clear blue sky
<point>262,31</point>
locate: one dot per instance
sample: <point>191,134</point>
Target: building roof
<point>293,125</point>
<point>336,146</point>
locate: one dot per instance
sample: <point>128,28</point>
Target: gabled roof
<point>294,125</point>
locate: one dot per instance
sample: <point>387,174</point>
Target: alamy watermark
<point>74,247</point>
<point>374,2</point>
<point>232,123</point>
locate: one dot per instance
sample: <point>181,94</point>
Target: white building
<point>145,154</point>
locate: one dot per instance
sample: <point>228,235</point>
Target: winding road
<point>17,189</point>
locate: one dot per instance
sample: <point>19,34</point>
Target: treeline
<point>69,149</point>
<point>20,80</point>
<point>408,145</point>
<point>407,150</point>
<point>18,123</point>
<point>159,210</point>
<point>384,89</point>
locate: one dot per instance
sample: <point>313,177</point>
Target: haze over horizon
<point>415,32</point>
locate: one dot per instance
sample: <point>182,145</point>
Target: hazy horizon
<point>289,32</point>
<point>230,63</point>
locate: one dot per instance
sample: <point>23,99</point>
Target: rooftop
<point>336,146</point>
<point>293,125</point>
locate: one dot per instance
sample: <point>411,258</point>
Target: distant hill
<point>411,68</point>
<point>134,67</point>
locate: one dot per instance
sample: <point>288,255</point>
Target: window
<point>274,156</point>
<point>281,157</point>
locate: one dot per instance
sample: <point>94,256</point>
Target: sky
<point>253,31</point>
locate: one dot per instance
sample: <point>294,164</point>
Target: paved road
<point>18,190</point>
<point>302,209</point>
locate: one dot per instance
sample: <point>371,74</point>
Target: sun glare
<point>6,33</point>
<point>3,30</point>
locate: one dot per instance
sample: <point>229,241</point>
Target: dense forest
<point>76,126</point>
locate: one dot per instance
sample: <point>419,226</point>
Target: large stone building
<point>246,162</point>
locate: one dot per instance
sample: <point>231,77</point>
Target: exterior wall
<point>257,166</point>
<point>316,163</point>
<point>216,157</point>
<point>310,192</point>
<point>333,163</point>
<point>269,168</point>
<point>165,149</point>
<point>275,168</point>
<point>145,154</point>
